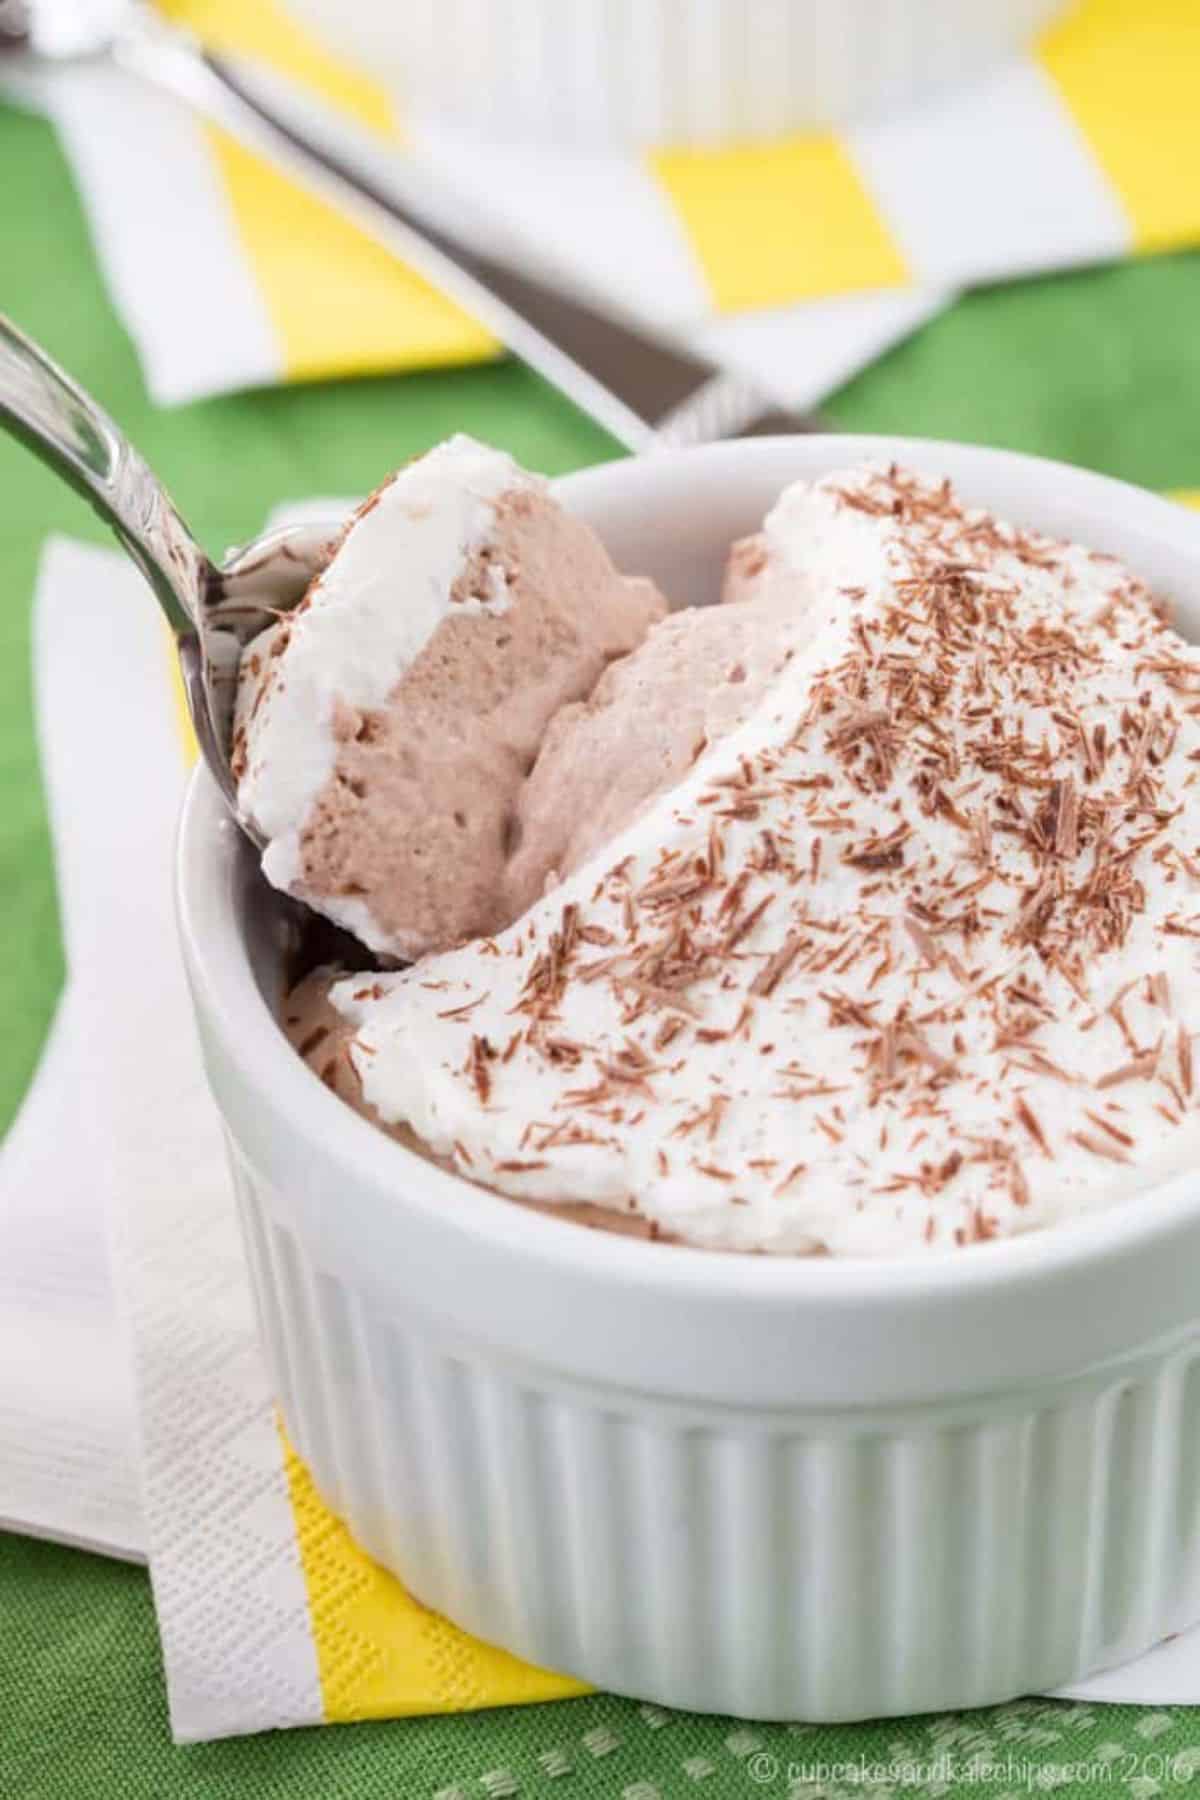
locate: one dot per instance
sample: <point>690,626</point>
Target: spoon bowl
<point>213,609</point>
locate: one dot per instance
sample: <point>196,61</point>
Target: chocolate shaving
<point>879,852</point>
<point>777,965</point>
<point>1139,1068</point>
<point>1032,1124</point>
<point>1098,1147</point>
<point>923,940</point>
<point>480,1055</point>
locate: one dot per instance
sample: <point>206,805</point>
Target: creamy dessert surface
<point>696,676</point>
<point>386,726</point>
<point>907,959</point>
<point>324,1038</point>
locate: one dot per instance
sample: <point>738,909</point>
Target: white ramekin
<point>768,1487</point>
<point>669,71</point>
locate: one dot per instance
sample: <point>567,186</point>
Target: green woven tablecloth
<point>1102,368</point>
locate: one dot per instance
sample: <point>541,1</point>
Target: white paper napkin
<point>67,1467</point>
<point>118,1121</point>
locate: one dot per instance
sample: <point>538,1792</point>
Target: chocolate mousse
<point>855,915</point>
<point>386,726</point>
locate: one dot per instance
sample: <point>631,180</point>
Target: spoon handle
<point>63,425</point>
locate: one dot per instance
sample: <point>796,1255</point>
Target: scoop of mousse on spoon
<point>369,695</point>
<point>212,609</point>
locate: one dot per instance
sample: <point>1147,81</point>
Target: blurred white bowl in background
<point>669,71</point>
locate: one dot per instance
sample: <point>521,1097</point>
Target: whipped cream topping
<point>907,961</point>
<point>348,643</point>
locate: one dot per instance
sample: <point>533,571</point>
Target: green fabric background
<point>1100,367</point>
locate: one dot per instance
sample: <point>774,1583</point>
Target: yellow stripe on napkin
<point>380,1653</point>
<point>183,718</point>
<point>1129,71</point>
<point>339,304</point>
<point>774,223</point>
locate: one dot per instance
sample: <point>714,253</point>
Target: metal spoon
<point>212,611</point>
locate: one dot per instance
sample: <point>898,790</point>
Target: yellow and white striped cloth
<point>796,260</point>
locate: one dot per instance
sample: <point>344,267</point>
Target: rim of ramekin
<point>228,996</point>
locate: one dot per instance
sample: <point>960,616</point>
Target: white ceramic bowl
<point>811,1489</point>
<point>669,71</point>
